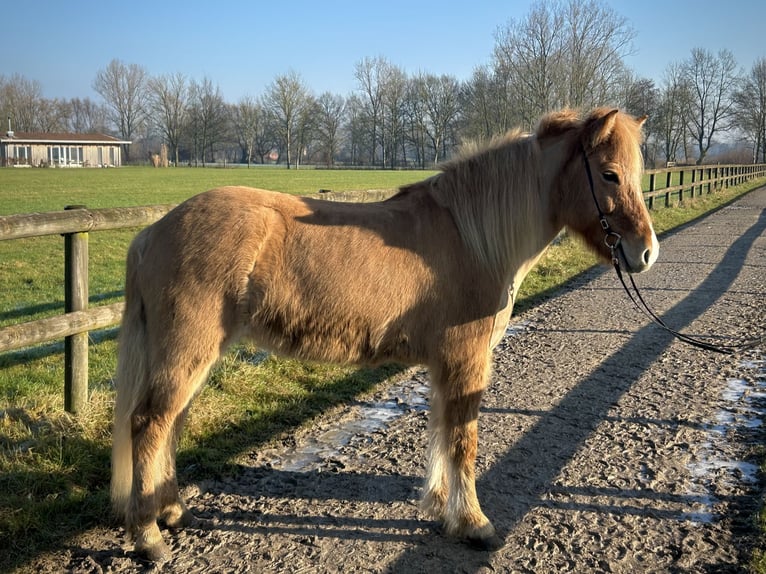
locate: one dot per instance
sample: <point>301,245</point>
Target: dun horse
<point>426,277</point>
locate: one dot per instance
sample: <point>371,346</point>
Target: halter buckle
<point>612,241</point>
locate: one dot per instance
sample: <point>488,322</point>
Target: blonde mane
<point>490,190</point>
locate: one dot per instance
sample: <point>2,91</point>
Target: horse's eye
<point>611,176</point>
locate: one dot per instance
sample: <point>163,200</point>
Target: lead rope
<point>612,241</point>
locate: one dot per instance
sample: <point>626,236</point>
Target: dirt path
<point>605,446</point>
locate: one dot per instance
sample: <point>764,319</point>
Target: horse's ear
<point>642,120</point>
<point>600,130</point>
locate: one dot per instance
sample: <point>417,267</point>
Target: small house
<point>38,149</point>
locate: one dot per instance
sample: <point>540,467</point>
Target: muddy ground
<point>605,445</point>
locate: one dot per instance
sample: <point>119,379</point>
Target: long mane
<point>491,193</point>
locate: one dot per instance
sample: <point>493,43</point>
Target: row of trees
<point>569,54</point>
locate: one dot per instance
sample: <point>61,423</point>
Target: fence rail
<point>75,222</point>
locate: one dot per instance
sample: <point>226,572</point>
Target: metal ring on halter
<point>617,237</point>
<point>613,246</point>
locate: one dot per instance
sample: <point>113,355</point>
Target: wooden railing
<point>684,182</point>
<point>74,223</point>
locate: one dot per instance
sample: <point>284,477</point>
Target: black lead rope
<point>644,308</point>
<point>612,241</point>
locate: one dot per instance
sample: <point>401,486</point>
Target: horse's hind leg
<point>156,425</point>
<point>173,510</point>
<point>451,484</point>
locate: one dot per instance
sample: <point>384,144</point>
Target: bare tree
<point>673,104</point>
<point>169,102</point>
<point>330,113</point>
<point>560,55</point>
<point>248,118</point>
<point>415,119</point>
<point>597,40</point>
<point>530,52</point>
<point>286,98</point>
<point>394,91</point>
<point>305,135</point>
<point>371,76</point>
<point>440,97</point>
<point>207,119</point>
<point>86,116</point>
<point>356,129</point>
<point>640,97</point>
<point>484,104</point>
<point>123,87</point>
<point>21,100</point>
<point>750,108</point>
<point>711,80</point>
<point>52,115</point>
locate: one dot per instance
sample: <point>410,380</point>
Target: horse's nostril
<point>647,256</point>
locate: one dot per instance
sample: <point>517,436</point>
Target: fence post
<point>668,181</point>
<point>76,299</point>
<point>694,188</point>
<point>681,183</point>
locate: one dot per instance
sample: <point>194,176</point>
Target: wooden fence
<point>75,222</point>
<point>684,182</point>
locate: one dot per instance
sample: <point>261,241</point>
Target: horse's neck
<point>526,222</point>
<point>550,161</point>
<point>500,202</point>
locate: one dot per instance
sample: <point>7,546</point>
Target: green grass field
<point>54,469</point>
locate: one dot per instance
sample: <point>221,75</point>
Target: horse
<point>427,277</point>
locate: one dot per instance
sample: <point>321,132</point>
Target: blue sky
<point>242,46</point>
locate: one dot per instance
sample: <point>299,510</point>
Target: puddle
<point>744,408</point>
<point>366,418</point>
<point>514,329</point>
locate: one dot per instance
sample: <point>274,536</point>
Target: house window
<point>75,155</point>
<point>23,154</point>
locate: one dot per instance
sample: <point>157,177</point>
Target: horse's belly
<point>343,338</point>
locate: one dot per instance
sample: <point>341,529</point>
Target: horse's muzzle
<point>637,258</point>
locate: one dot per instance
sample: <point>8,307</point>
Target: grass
<point>54,469</point>
<point>30,190</point>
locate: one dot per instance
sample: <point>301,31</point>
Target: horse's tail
<point>131,380</point>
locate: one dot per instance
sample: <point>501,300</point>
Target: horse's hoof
<point>485,538</point>
<point>150,545</point>
<point>157,552</point>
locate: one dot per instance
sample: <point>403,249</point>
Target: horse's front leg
<point>450,491</point>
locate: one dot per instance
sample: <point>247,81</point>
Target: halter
<point>612,241</point>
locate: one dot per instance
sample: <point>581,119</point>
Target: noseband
<point>612,239</point>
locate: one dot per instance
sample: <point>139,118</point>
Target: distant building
<point>37,149</point>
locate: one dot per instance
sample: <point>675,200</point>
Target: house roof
<point>61,138</point>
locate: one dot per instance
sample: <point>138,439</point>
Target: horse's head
<point>600,196</point>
